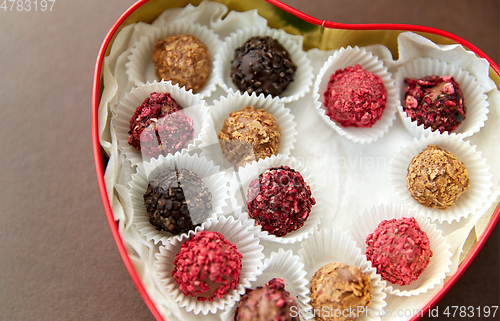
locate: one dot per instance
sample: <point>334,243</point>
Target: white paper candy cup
<point>328,246</point>
<point>435,272</point>
<point>235,232</point>
<point>475,99</point>
<point>253,170</point>
<point>302,79</point>
<point>222,108</point>
<point>470,202</point>
<point>341,59</point>
<point>284,265</point>
<point>214,180</point>
<point>193,107</point>
<point>141,69</point>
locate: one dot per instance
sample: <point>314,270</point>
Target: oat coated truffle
<point>355,97</point>
<point>262,65</point>
<point>344,289</point>
<point>280,200</point>
<point>436,178</point>
<point>434,101</point>
<point>207,266</point>
<point>184,59</point>
<point>399,250</point>
<point>249,134</point>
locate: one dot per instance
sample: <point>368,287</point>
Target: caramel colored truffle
<point>436,178</point>
<point>340,292</point>
<point>183,59</point>
<point>249,134</point>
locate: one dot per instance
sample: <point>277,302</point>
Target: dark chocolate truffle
<point>177,201</point>
<point>280,200</point>
<point>262,65</point>
<point>434,101</point>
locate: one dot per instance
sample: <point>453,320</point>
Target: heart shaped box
<point>328,35</point>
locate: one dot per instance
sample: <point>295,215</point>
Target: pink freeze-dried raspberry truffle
<point>279,200</point>
<point>207,266</point>
<point>399,250</point>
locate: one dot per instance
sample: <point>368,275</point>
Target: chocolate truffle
<point>249,134</point>
<point>355,97</point>
<point>341,290</point>
<point>177,201</point>
<point>268,302</point>
<point>184,59</point>
<point>262,65</point>
<point>279,200</point>
<point>399,250</point>
<point>436,178</point>
<point>434,101</point>
<point>207,266</point>
<point>159,127</point>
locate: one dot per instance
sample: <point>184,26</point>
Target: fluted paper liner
<point>480,179</point>
<point>434,274</point>
<point>302,80</point>
<point>328,246</point>
<point>193,107</point>
<point>341,59</point>
<point>214,180</point>
<point>253,170</point>
<point>284,265</point>
<point>236,232</point>
<point>475,99</point>
<point>141,69</point>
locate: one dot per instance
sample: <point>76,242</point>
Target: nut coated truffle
<point>399,250</point>
<point>249,134</point>
<point>184,59</point>
<point>355,97</point>
<point>268,302</point>
<point>434,101</point>
<point>207,266</point>
<point>344,289</point>
<point>177,201</point>
<point>436,178</point>
<point>262,65</point>
<point>279,200</point>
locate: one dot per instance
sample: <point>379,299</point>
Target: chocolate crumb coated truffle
<point>268,302</point>
<point>279,200</point>
<point>249,134</point>
<point>436,178</point>
<point>184,59</point>
<point>177,201</point>
<point>262,65</point>
<point>344,290</point>
<point>434,101</point>
<point>207,266</point>
<point>399,250</point>
<point>355,97</point>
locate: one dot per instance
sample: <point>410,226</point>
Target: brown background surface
<point>58,260</point>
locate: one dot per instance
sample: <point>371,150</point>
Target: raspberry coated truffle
<point>177,201</point>
<point>355,97</point>
<point>207,266</point>
<point>436,178</point>
<point>434,101</point>
<point>262,65</point>
<point>280,200</point>
<point>268,302</point>
<point>399,250</point>
<point>183,59</point>
<point>159,127</point>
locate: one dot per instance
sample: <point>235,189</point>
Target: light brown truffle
<point>183,59</point>
<point>436,178</point>
<point>249,134</point>
<point>340,292</point>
